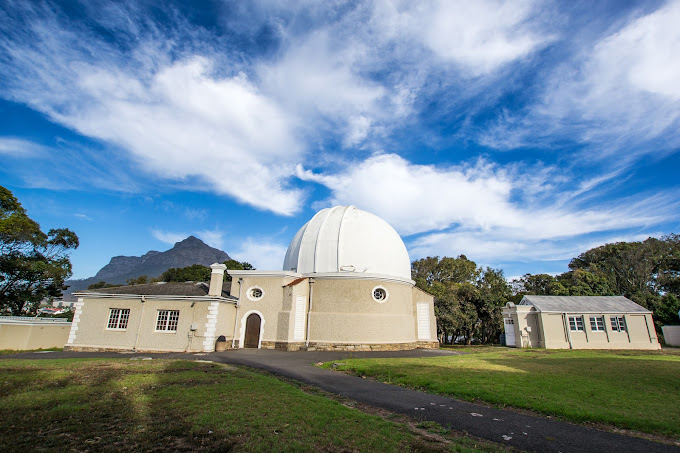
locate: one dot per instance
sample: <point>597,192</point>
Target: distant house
<point>63,304</point>
<point>579,322</point>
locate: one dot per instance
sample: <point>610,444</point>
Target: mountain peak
<point>153,263</point>
<point>190,241</point>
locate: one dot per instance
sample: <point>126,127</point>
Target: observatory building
<point>345,284</point>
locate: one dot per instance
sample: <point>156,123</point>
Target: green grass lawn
<point>161,405</point>
<point>628,389</point>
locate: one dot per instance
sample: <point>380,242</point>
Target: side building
<point>159,317</point>
<point>579,322</point>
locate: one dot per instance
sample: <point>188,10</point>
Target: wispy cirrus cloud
<point>168,237</point>
<point>18,147</point>
<point>214,238</point>
<point>487,210</point>
<point>180,119</point>
<point>478,36</point>
<point>187,112</point>
<point>618,97</point>
<point>384,104</point>
<point>262,253</point>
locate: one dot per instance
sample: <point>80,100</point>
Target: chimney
<point>216,279</point>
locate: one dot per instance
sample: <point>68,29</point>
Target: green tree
<point>200,273</point>
<point>583,283</point>
<point>442,278</point>
<point>429,270</point>
<point>239,265</point>
<point>646,272</point>
<point>629,267</point>
<point>540,285</point>
<point>468,300</point>
<point>33,265</point>
<point>466,311</point>
<point>668,275</point>
<point>193,273</point>
<point>494,293</point>
<point>666,312</point>
<point>141,280</point>
<point>102,284</point>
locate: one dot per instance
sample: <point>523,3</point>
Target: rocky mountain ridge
<point>152,264</point>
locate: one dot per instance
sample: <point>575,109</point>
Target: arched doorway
<point>252,337</point>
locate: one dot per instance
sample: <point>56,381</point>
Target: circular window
<point>380,294</point>
<point>255,293</point>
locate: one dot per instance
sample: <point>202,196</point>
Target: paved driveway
<point>520,431</point>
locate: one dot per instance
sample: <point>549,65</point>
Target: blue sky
<point>517,133</point>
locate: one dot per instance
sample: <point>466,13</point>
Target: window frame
<point>618,323</point>
<point>164,325</point>
<point>382,289</point>
<point>575,326</point>
<point>253,297</point>
<point>596,326</point>
<point>122,316</point>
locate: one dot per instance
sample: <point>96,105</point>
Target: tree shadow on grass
<point>171,424</point>
<point>55,406</point>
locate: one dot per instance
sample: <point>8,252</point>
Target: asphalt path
<point>525,432</point>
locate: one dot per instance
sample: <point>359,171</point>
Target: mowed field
<point>173,405</point>
<point>636,390</point>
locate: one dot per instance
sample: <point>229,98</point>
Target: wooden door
<point>252,339</point>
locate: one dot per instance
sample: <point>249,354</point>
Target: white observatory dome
<point>347,239</point>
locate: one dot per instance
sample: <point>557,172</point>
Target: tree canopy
<point>468,299</point>
<point>102,284</point>
<point>200,273</point>
<point>646,272</point>
<point>33,264</point>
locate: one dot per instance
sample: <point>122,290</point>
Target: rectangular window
<point>167,320</point>
<point>618,323</point>
<point>118,318</point>
<point>597,323</point>
<point>576,323</point>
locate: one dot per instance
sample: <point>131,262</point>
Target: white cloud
<point>479,36</point>
<point>318,77</point>
<point>645,53</point>
<point>617,94</point>
<point>189,124</point>
<point>361,73</point>
<point>190,113</point>
<point>195,214</point>
<point>183,120</point>
<point>479,209</point>
<point>416,198</point>
<point>213,238</point>
<point>168,237</point>
<point>17,147</point>
<point>493,248</point>
<point>84,217</point>
<point>261,253</point>
<point>359,127</point>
